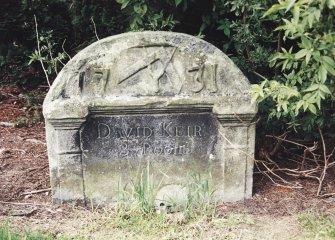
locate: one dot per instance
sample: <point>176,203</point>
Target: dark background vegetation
<point>234,26</point>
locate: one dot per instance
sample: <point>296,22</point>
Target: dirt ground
<point>24,170</point>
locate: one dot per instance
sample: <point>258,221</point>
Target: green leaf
<point>284,106</point>
<point>284,64</point>
<point>263,83</point>
<point>306,43</point>
<point>278,114</point>
<point>310,20</point>
<point>296,13</point>
<point>140,9</point>
<point>312,108</point>
<point>321,94</point>
<point>322,73</point>
<point>318,102</point>
<point>329,61</point>
<point>257,91</point>
<point>313,98</point>
<point>225,26</point>
<point>329,68</point>
<point>290,5</point>
<point>272,10</point>
<point>317,14</point>
<point>305,105</point>
<point>125,4</point>
<point>302,53</point>
<point>31,61</point>
<point>144,9</point>
<point>312,88</point>
<point>177,2</point>
<point>254,99</point>
<point>331,4</point>
<point>308,56</point>
<point>324,89</point>
<point>299,104</point>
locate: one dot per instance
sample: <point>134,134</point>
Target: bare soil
<point>24,169</point>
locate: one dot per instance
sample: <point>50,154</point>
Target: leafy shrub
<point>303,94</point>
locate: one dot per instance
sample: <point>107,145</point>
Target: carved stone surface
<point>140,137</point>
<point>160,99</point>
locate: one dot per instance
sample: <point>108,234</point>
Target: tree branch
<point>39,52</point>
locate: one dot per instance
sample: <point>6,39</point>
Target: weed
<point>6,233</point>
<point>142,192</point>
<point>33,102</point>
<point>37,116</point>
<point>137,225</point>
<point>22,122</point>
<point>145,190</point>
<point>318,226</point>
<point>233,219</point>
<point>199,197</point>
<point>31,99</point>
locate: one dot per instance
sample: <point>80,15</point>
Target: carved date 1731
<point>197,75</point>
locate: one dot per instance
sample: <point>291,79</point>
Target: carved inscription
<point>196,72</point>
<point>167,129</point>
<point>93,82</point>
<point>204,76</point>
<point>130,137</point>
<point>162,55</point>
<point>140,136</point>
<point>100,75</point>
<point>163,69</point>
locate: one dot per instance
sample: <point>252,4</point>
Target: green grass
<point>135,224</point>
<point>105,223</point>
<point>318,226</point>
<point>140,195</point>
<point>7,233</point>
<point>199,197</point>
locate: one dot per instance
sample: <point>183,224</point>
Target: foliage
<point>200,194</point>
<point>45,54</point>
<point>142,15</point>
<point>145,190</point>
<point>136,225</point>
<point>22,122</point>
<point>248,37</point>
<point>318,226</point>
<point>6,233</point>
<point>303,94</point>
<point>66,27</point>
<point>140,196</point>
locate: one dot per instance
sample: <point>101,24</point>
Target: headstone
<point>163,102</point>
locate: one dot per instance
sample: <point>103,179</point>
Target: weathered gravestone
<point>166,98</point>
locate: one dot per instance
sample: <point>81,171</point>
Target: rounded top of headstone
<point>148,70</point>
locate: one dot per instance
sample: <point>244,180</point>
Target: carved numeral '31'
<point>204,77</point>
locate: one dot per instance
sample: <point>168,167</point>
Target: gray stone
<point>163,102</point>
